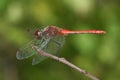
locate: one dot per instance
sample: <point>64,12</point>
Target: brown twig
<point>63,60</point>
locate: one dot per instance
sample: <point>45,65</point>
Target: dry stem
<point>63,60</point>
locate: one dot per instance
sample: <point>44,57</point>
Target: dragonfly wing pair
<point>50,45</point>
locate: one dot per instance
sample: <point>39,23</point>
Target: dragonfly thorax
<point>47,32</point>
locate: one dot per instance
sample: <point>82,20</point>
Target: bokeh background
<point>98,54</point>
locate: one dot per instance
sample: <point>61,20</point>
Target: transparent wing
<point>37,59</point>
<point>50,46</point>
<point>27,50</point>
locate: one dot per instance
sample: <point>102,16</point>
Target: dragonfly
<point>49,39</point>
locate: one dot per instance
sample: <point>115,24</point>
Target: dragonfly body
<point>50,39</point>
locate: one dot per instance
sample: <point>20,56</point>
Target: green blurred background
<point>98,54</point>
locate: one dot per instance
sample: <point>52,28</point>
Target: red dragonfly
<point>50,39</point>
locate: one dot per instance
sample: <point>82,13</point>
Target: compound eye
<point>37,33</point>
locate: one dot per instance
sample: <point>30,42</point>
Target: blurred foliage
<point>98,54</point>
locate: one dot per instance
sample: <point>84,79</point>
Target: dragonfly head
<point>37,34</point>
